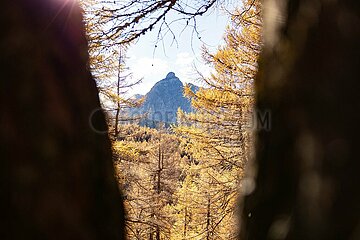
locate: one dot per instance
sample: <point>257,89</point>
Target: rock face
<point>163,101</point>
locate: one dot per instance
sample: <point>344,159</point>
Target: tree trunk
<point>208,219</point>
<point>185,223</point>
<point>157,233</point>
<point>118,106</point>
<point>160,166</point>
<point>56,173</point>
<point>307,164</point>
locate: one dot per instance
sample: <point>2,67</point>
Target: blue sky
<point>153,66</point>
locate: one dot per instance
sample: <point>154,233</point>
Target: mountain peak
<point>163,100</point>
<point>170,75</point>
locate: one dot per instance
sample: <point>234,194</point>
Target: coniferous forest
<point>182,180</point>
<point>264,147</point>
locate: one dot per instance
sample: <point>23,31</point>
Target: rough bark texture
<point>56,175</point>
<point>307,182</point>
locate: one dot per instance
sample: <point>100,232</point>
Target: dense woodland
<point>269,152</point>
<point>183,181</point>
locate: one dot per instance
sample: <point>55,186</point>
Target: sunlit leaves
<point>216,134</point>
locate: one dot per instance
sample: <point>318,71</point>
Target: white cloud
<point>150,69</point>
<point>184,59</point>
<point>183,66</point>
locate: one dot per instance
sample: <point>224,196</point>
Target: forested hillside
<point>182,180</point>
<point>266,148</point>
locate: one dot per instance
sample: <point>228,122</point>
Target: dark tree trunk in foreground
<point>308,165</point>
<point>56,175</point>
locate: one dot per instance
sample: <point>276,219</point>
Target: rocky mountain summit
<point>163,100</point>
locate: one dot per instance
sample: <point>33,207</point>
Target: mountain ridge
<point>163,101</point>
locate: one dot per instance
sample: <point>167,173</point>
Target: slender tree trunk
<point>160,167</point>
<point>208,219</point>
<point>158,183</point>
<point>56,174</point>
<point>307,182</point>
<point>185,222</point>
<point>118,105</point>
<point>157,233</point>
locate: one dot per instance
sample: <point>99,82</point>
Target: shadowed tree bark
<point>56,175</point>
<point>307,182</point>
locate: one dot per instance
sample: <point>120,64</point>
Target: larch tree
<point>108,66</point>
<point>219,129</point>
<point>60,183</point>
<point>127,20</point>
<point>187,206</point>
<point>148,171</point>
<point>223,107</point>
